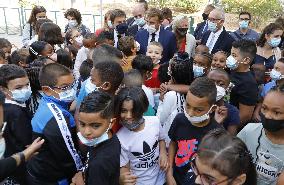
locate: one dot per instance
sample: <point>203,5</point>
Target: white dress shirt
<point>156,36</point>
<point>211,43</point>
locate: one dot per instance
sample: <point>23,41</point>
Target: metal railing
<point>15,18</point>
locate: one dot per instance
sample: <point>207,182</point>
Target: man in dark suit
<point>155,32</point>
<point>202,27</point>
<point>217,38</point>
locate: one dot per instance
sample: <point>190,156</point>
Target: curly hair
<point>269,29</point>
<point>72,12</point>
<point>125,44</point>
<point>50,33</point>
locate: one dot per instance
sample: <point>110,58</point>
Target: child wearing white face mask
<point>15,84</point>
<point>189,127</point>
<point>103,159</point>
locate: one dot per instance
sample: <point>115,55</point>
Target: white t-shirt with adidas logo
<point>141,150</point>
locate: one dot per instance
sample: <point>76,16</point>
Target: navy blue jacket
<point>223,43</point>
<point>166,38</point>
<point>132,30</point>
<point>198,32</point>
<point>53,163</point>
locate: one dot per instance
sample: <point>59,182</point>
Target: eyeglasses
<point>205,179</point>
<point>67,87</point>
<point>213,19</point>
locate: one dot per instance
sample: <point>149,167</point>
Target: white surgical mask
<point>276,75</point>
<point>21,95</point>
<point>2,147</point>
<point>94,141</point>
<point>198,119</point>
<point>79,40</point>
<point>109,24</point>
<point>90,87</point>
<point>151,29</point>
<point>221,92</point>
<point>72,23</point>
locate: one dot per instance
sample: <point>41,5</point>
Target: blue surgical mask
<point>95,141</point>
<point>276,75</point>
<point>72,23</point>
<point>198,71</point>
<point>122,28</point>
<point>140,22</point>
<point>212,26</point>
<point>232,63</point>
<point>244,24</point>
<point>109,24</point>
<point>21,95</point>
<point>274,42</point>
<point>68,95</point>
<point>90,87</point>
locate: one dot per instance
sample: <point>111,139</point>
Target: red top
<point>182,45</point>
<point>154,82</point>
<point>98,31</point>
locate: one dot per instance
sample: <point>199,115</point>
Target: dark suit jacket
<point>198,30</point>
<point>132,30</point>
<point>130,21</point>
<point>223,43</point>
<point>166,38</point>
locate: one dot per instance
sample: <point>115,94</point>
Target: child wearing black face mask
<point>266,141</point>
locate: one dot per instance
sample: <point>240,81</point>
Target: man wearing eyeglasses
<point>244,31</point>
<point>217,38</point>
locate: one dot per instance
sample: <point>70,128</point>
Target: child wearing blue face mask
<point>201,64</point>
<point>143,149</point>
<point>58,160</point>
<point>189,127</point>
<point>15,84</point>
<point>95,121</point>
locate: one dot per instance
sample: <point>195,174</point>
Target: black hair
<point>2,54</point>
<point>116,13</point>
<point>39,23</point>
<point>19,55</point>
<point>98,101</point>
<point>206,55</point>
<point>222,151</point>
<point>104,36</point>
<point>35,10</point>
<point>39,62</point>
<point>245,13</point>
<point>142,63</point>
<point>72,49</point>
<point>221,71</point>
<point>10,72</point>
<point>90,36</point>
<point>163,73</point>
<point>204,87</point>
<point>50,33</point>
<point>126,44</point>
<point>33,74</point>
<point>64,58</point>
<point>247,48</point>
<point>269,29</point>
<point>72,12</point>
<point>50,73</point>
<point>167,13</point>
<point>4,43</point>
<point>181,69</point>
<point>110,71</point>
<point>139,98</point>
<point>154,12</point>
<point>106,52</point>
<point>85,69</point>
<point>133,78</point>
<point>35,50</point>
<point>2,98</point>
<point>145,3</point>
<point>68,35</point>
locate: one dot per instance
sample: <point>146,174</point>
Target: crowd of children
<point>131,104</point>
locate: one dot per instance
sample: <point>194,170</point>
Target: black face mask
<point>122,28</point>
<point>271,125</point>
<point>205,16</point>
<point>182,31</point>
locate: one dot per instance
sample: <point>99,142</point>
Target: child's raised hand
<point>221,113</point>
<point>127,178</point>
<point>78,179</point>
<point>163,161</point>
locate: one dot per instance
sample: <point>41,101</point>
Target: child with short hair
<point>201,49</point>
<point>222,81</point>
<point>244,95</point>
<point>19,57</point>
<point>143,147</point>
<point>219,60</point>
<point>58,160</point>
<point>127,45</point>
<point>188,129</point>
<point>155,51</point>
<point>95,121</point>
<point>172,102</point>
<point>15,84</point>
<point>201,64</point>
<point>144,64</point>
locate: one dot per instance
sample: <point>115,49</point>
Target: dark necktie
<point>153,37</point>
